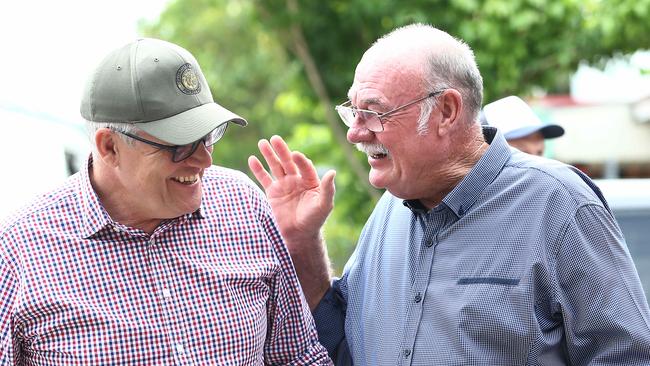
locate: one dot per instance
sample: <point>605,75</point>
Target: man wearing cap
<point>521,127</point>
<point>150,255</point>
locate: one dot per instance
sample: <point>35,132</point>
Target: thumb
<point>327,189</point>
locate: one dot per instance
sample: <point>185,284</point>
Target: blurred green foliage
<point>250,51</point>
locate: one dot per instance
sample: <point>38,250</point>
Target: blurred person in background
<point>150,255</point>
<point>477,253</point>
<point>519,124</point>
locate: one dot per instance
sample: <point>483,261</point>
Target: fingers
<point>277,156</point>
<point>282,151</point>
<point>259,172</point>
<point>282,161</point>
<point>271,158</point>
<point>306,168</point>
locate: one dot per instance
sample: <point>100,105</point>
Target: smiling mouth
<point>375,151</point>
<point>187,180</point>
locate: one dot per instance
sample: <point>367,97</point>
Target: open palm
<point>300,200</point>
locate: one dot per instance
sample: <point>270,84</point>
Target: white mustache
<point>372,149</point>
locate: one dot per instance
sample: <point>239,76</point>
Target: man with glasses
<point>477,254</point>
<point>151,255</point>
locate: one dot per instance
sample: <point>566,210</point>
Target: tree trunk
<point>302,51</point>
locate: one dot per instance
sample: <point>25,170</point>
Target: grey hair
<point>93,127</point>
<point>448,63</point>
<point>426,107</point>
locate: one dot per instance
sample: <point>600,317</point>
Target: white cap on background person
<point>515,119</point>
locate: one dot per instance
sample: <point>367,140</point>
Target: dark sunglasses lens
<point>185,151</point>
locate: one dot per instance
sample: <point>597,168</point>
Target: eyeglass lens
<point>183,152</point>
<point>369,118</point>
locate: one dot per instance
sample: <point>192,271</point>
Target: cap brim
<point>190,125</point>
<point>552,131</point>
<point>521,132</point>
<point>548,131</point>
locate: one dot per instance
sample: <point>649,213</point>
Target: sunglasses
<point>182,152</point>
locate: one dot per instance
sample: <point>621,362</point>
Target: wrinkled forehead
<point>385,78</point>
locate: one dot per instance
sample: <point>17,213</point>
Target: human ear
<point>450,103</point>
<point>107,146</point>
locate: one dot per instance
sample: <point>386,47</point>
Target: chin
<point>191,209</point>
<point>376,181</point>
<point>186,208</point>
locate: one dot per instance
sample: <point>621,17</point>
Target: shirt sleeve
<point>291,334</point>
<point>329,316</point>
<point>8,292</point>
<point>604,309</point>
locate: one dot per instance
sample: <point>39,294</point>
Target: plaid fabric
<point>213,287</point>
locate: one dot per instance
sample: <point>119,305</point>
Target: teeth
<point>373,150</point>
<point>188,179</point>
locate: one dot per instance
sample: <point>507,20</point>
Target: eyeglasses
<point>182,152</point>
<point>371,119</point>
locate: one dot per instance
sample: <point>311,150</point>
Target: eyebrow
<point>375,101</point>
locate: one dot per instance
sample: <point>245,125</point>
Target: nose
<point>359,133</point>
<point>201,158</point>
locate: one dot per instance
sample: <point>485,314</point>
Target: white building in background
<point>37,153</point>
<point>606,119</point>
<point>606,136</point>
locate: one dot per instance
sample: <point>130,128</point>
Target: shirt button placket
<point>420,284</point>
<point>182,355</point>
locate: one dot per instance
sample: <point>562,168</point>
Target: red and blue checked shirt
<point>215,287</point>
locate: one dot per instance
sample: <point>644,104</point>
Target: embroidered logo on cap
<point>187,80</point>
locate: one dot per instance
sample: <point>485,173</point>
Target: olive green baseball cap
<point>159,87</point>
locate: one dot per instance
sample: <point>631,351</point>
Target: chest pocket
<point>495,319</point>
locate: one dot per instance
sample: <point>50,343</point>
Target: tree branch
<point>302,51</point>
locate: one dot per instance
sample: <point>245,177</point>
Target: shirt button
<point>180,349</point>
<point>418,297</point>
<point>166,293</point>
<point>407,353</point>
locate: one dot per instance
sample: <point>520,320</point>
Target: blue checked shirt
<point>214,287</point>
<point>521,264</point>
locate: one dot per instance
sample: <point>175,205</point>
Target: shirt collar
<point>94,217</point>
<point>465,194</point>
<point>202,212</point>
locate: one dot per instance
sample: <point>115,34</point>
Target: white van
<point>37,152</point>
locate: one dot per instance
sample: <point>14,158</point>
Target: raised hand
<point>301,203</point>
<point>300,200</point>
